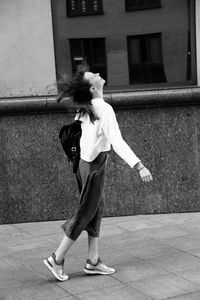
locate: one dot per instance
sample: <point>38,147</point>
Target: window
<point>141,4</point>
<point>90,51</point>
<point>145,59</point>
<point>84,7</point>
<point>143,49</point>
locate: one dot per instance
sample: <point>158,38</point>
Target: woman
<point>100,130</point>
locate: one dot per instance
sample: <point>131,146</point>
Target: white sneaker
<point>98,268</point>
<point>56,268</point>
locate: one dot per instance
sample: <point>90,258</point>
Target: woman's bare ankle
<point>93,259</point>
<point>58,258</point>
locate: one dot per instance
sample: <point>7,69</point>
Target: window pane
<point>77,53</point>
<point>148,69</point>
<point>76,48</point>
<point>90,51</point>
<point>155,49</point>
<point>134,50</point>
<point>98,51</point>
<point>84,7</point>
<point>142,4</point>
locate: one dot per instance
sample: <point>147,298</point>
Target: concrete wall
<point>37,184</point>
<point>164,19</point>
<point>27,52</point>
<point>198,40</point>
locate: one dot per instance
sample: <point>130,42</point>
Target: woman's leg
<point>92,179</point>
<point>66,242</point>
<point>93,248</point>
<point>55,262</point>
<point>63,248</point>
<point>94,265</point>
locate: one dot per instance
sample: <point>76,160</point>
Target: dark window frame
<point>89,11</point>
<point>96,67</point>
<point>146,5</point>
<point>146,66</point>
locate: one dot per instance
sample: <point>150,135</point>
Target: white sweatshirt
<point>99,136</point>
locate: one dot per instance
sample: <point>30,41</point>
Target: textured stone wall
<point>37,184</point>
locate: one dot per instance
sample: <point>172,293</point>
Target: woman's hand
<point>145,175</point>
<point>144,172</point>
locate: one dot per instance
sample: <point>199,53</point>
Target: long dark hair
<point>78,89</point>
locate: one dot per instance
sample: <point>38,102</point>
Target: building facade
<point>148,51</point>
<point>131,43</point>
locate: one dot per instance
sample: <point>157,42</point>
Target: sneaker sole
<point>52,271</point>
<point>95,272</point>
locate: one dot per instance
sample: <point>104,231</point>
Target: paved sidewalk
<point>156,257</point>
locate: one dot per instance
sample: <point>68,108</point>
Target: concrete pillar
<point>198,40</point>
<point>27,49</point>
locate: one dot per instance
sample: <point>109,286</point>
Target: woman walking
<point>100,130</point>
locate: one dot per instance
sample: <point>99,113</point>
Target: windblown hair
<point>78,89</point>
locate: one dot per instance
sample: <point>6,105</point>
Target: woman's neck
<point>97,94</point>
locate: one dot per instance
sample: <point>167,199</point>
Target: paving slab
<point>44,291</point>
<point>39,228</point>
<point>164,286</point>
<point>155,256</point>
<point>161,232</point>
<point>135,225</point>
<point>117,293</point>
<point>186,242</point>
<point>137,270</point>
<point>177,262</point>
<point>110,230</point>
<point>148,248</point>
<point>195,252</point>
<point>190,275</point>
<point>80,283</point>
<point>19,277</point>
<point>187,296</point>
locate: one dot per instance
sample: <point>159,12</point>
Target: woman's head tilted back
<point>78,88</point>
<point>82,88</point>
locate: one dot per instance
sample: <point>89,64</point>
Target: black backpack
<point>70,135</point>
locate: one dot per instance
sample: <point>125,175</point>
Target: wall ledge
<point>119,100</point>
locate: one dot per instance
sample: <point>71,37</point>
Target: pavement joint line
<point>198,285</point>
<point>186,294</point>
<point>117,279</point>
<point>52,282</point>
<point>29,268</point>
<point>61,288</point>
<point>167,255</point>
<point>21,229</point>
<point>184,251</point>
<point>95,289</point>
<point>155,276</point>
<point>99,289</point>
<point>135,288</point>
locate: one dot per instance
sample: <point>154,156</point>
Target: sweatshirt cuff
<point>135,163</point>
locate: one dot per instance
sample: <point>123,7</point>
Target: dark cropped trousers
<point>89,211</point>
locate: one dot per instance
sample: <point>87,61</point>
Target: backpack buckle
<point>73,149</point>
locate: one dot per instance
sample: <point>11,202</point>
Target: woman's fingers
<point>145,175</point>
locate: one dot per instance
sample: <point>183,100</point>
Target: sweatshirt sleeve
<point>111,130</point>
